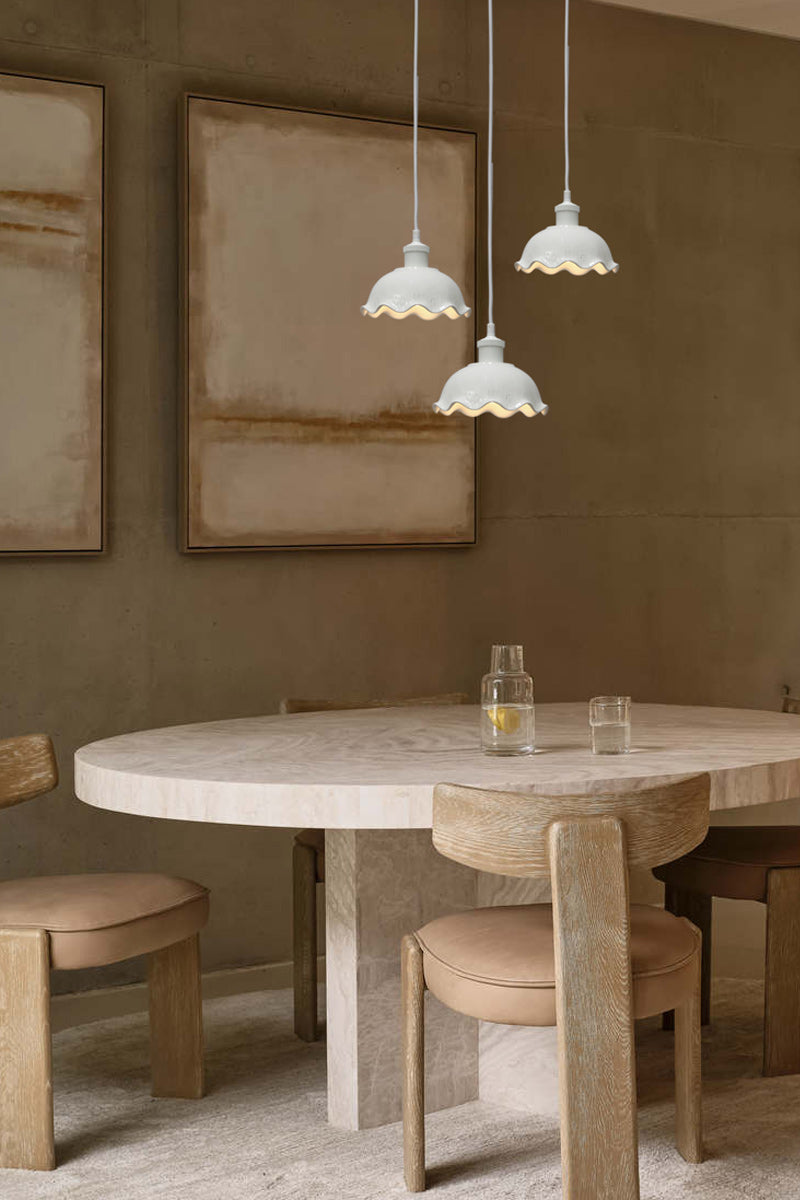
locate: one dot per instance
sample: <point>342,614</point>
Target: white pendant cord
<point>567,194</point>
<point>490,175</point>
<point>416,234</point>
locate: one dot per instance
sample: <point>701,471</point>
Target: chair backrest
<point>301,706</point>
<point>791,704</point>
<point>27,768</point>
<point>508,833</point>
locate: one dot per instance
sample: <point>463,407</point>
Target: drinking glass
<point>610,724</point>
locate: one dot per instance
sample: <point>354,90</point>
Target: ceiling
<point>767,16</point>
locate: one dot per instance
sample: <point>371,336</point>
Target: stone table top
<point>376,768</point>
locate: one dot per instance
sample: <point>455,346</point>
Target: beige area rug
<point>261,1131</point>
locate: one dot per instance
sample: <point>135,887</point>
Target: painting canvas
<point>308,424</point>
<point>51,316</point>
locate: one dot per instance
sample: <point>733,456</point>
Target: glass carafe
<point>507,719</point>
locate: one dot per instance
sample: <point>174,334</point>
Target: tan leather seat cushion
<point>316,839</point>
<point>97,919</point>
<point>498,964</point>
<point>733,861</point>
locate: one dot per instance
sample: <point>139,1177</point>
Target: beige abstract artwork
<point>308,424</point>
<point>51,316</point>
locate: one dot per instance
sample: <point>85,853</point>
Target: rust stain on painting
<point>60,201</point>
<point>384,426</point>
<point>25,227</point>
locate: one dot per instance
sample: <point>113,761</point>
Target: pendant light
<point>567,245</point>
<point>416,289</point>
<point>490,385</point>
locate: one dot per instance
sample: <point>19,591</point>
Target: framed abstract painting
<point>51,316</point>
<point>305,423</point>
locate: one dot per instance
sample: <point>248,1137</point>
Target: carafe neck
<point>507,660</point>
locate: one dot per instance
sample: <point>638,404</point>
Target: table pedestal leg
<point>380,885</point>
<point>518,1066</point>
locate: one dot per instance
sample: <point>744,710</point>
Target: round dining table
<point>366,777</point>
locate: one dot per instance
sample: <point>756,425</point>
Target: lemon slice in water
<point>504,719</point>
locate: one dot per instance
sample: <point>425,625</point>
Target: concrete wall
<point>644,537</point>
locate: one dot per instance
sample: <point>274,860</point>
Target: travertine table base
<point>367,778</point>
<point>380,885</point>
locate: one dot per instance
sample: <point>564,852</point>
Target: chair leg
<point>782,973</point>
<point>698,909</point>
<point>304,883</point>
<point>688,1090</point>
<point>26,1084</point>
<point>413,1065</point>
<point>176,1020</point>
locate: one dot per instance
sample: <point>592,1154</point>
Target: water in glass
<point>507,728</point>
<point>610,724</point>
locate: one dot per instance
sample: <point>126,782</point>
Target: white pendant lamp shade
<point>567,246</point>
<point>490,385</point>
<point>416,289</point>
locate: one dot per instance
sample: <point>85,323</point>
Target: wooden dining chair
<point>589,964</point>
<point>750,862</point>
<point>308,868</point>
<point>72,921</point>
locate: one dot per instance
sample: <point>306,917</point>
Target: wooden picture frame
<point>53,336</point>
<point>240,429</point>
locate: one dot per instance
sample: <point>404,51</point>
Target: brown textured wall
<point>643,537</point>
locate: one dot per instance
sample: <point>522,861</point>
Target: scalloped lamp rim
<point>492,408</point>
<point>415,309</point>
<point>599,267</point>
